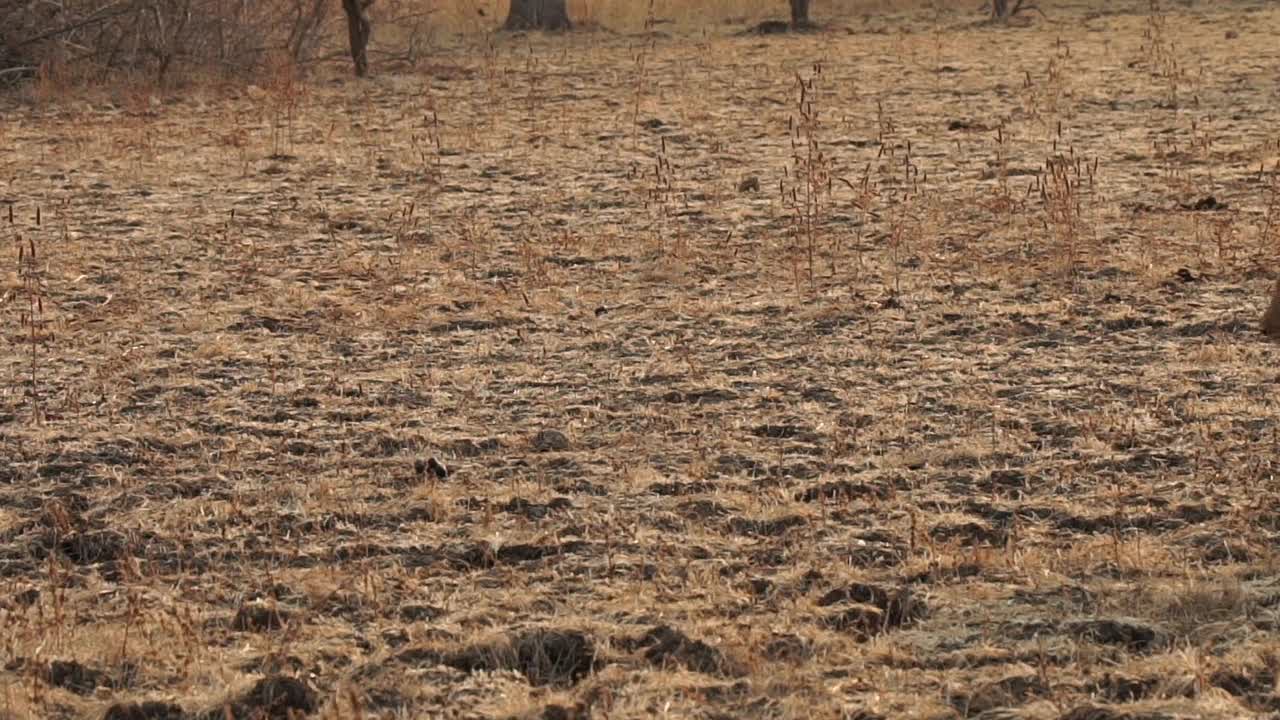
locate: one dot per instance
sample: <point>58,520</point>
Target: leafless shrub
<point>95,37</point>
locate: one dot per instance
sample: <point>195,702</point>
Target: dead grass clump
<point>666,646</point>
<point>277,696</point>
<point>868,610</point>
<point>1197,606</point>
<point>545,656</point>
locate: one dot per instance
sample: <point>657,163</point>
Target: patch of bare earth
<point>960,411</point>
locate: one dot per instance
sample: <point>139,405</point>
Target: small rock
<point>415,613</point>
<point>550,440</point>
<point>668,646</point>
<point>751,183</point>
<point>556,712</point>
<point>276,697</point>
<point>554,657</point>
<point>258,618</point>
<point>788,648</point>
<point>430,466</point>
<point>150,710</point>
<point>544,656</point>
<point>73,676</point>
<point>396,637</point>
<point>577,711</point>
<point>771,27</point>
<point>1131,634</point>
<point>864,621</point>
<point>1205,204</point>
<point>1010,691</point>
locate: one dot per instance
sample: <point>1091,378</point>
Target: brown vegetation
<point>910,368</point>
<point>94,40</point>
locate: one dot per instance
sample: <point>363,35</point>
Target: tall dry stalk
<point>808,193</point>
<point>32,318</point>
<point>1064,187</point>
<point>642,55</point>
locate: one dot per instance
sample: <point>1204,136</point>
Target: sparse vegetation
<point>905,368</point>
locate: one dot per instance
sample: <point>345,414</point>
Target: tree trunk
<point>538,15</point>
<point>359,29</point>
<point>799,14</point>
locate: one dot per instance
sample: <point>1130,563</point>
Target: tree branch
<point>72,27</point>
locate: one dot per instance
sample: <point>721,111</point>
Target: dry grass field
<point>906,369</point>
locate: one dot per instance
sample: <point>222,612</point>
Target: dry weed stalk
<point>1003,200</point>
<point>899,189</point>
<point>284,96</point>
<point>807,180</point>
<point>863,200</point>
<point>1172,170</point>
<point>430,150</point>
<point>1042,100</point>
<point>890,188</point>
<point>642,61</point>
<point>494,78</point>
<point>1202,142</point>
<point>1221,233</point>
<point>35,325</point>
<point>1161,52</point>
<point>534,247</point>
<point>404,223</point>
<point>660,199</point>
<point>905,217</point>
<point>1064,187</point>
<point>534,96</point>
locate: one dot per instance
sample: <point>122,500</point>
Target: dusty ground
<point>1008,451</point>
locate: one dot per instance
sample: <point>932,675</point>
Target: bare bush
<point>156,36</point>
